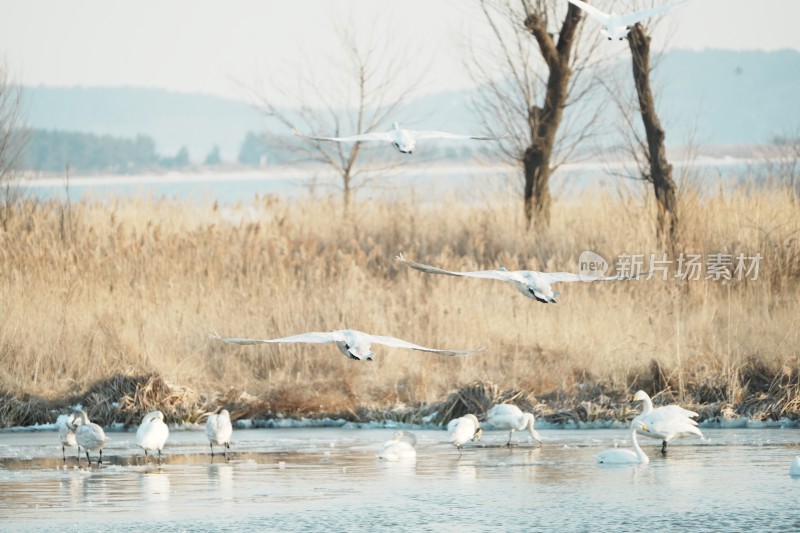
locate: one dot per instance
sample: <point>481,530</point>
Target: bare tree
<point>13,137</point>
<point>321,105</point>
<point>658,170</point>
<point>782,161</point>
<point>538,76</point>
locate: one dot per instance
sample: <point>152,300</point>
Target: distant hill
<point>726,97</point>
<point>198,121</point>
<point>731,97</point>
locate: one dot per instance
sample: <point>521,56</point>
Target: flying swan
<point>623,455</point>
<point>615,27</point>
<point>667,422</point>
<point>402,139</point>
<point>536,285</point>
<point>152,433</point>
<point>511,417</point>
<point>219,431</point>
<point>352,343</point>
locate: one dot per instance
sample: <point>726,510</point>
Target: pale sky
<point>204,46</point>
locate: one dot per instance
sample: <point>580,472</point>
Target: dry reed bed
<point>95,291</point>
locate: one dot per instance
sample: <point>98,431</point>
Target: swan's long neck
<point>647,405</point>
<point>643,458</point>
<point>527,423</point>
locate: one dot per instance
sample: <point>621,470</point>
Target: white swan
<point>511,417</point>
<point>794,468</point>
<point>464,429</point>
<point>219,430</point>
<point>90,436</point>
<point>352,343</point>
<point>66,434</point>
<point>152,433</point>
<point>536,285</point>
<point>667,422</point>
<point>402,139</point>
<point>615,27</point>
<point>400,447</point>
<point>623,455</point>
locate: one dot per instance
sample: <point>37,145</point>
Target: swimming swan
<point>352,343</point>
<point>667,422</point>
<point>794,468</point>
<point>400,447</point>
<point>66,434</point>
<point>90,436</point>
<point>464,429</point>
<point>219,430</point>
<point>511,417</point>
<point>152,433</point>
<point>402,139</point>
<point>623,455</point>
<point>615,27</point>
<point>536,285</point>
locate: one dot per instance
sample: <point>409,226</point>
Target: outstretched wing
<point>591,11</point>
<point>502,275</point>
<point>630,19</point>
<point>399,343</point>
<point>445,135</point>
<point>312,337</point>
<point>556,277</point>
<point>373,136</point>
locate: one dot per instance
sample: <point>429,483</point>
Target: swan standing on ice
<point>219,431</point>
<point>794,468</point>
<point>464,429</point>
<point>667,422</point>
<point>66,433</point>
<point>623,455</point>
<point>90,436</point>
<point>400,447</point>
<point>511,417</point>
<point>536,285</point>
<point>152,433</point>
<point>353,344</point>
<point>615,27</point>
<point>402,139</point>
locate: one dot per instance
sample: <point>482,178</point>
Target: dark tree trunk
<point>660,169</point>
<point>544,121</point>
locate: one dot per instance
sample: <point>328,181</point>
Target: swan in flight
<point>464,429</point>
<point>219,430</point>
<point>794,468</point>
<point>511,417</point>
<point>536,285</point>
<point>400,447</point>
<point>90,436</point>
<point>667,422</point>
<point>615,27</point>
<point>402,139</point>
<point>152,433</point>
<point>352,343</point>
<point>623,455</point>
<point>66,434</point>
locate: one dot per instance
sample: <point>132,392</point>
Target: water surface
<point>330,479</point>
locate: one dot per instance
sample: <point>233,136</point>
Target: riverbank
<point>96,297</point>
